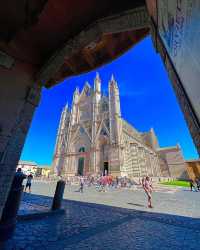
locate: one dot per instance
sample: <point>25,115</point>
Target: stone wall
<point>185,103</point>
<point>193,169</point>
<point>172,162</point>
<point>18,98</point>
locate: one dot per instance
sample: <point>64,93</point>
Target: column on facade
<point>153,164</point>
<point>157,165</point>
<point>74,116</point>
<point>95,113</point>
<point>134,168</point>
<point>150,163</point>
<point>145,161</point>
<point>150,167</point>
<point>142,161</point>
<point>61,142</point>
<point>19,97</point>
<point>139,160</point>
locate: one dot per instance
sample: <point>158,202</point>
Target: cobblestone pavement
<point>29,207</point>
<point>117,219</point>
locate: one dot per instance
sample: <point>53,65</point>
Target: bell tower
<point>95,113</point>
<point>74,112</point>
<point>115,154</point>
<point>61,141</point>
<point>114,111</point>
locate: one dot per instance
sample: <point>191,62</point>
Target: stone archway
<point>20,95</point>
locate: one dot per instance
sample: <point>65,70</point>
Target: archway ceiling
<point>62,38</point>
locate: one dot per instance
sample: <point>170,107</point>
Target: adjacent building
<point>93,138</point>
<point>30,167</point>
<point>193,168</point>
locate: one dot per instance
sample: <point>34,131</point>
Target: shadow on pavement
<point>87,225</point>
<point>135,204</point>
<point>178,220</point>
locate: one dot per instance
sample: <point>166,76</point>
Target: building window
<point>82,149</point>
<point>104,107</point>
<point>81,130</point>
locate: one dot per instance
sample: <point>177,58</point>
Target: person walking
<point>18,179</point>
<point>81,184</point>
<point>147,186</point>
<point>191,184</point>
<point>28,183</point>
<point>198,184</point>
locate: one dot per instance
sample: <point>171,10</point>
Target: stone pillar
<point>157,166</point>
<point>145,160</point>
<point>151,164</point>
<point>18,98</point>
<point>138,161</point>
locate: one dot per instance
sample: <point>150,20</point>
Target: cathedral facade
<point>93,138</point>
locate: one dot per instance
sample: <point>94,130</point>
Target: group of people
<point>108,181</point>
<point>195,184</point>
<point>102,182</point>
<point>19,177</point>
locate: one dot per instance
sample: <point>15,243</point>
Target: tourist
<point>18,179</point>
<point>147,185</point>
<point>117,181</point>
<point>198,184</point>
<point>28,183</point>
<point>191,185</point>
<point>81,184</point>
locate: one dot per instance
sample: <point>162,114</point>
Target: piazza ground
<point>117,219</point>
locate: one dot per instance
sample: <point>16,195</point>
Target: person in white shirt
<point>28,183</point>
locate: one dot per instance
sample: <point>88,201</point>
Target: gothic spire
<point>76,90</point>
<point>113,81</point>
<point>76,95</point>
<point>97,83</point>
<point>66,108</point>
<point>97,78</point>
<point>112,78</point>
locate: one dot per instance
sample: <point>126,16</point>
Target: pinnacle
<point>87,84</point>
<point>112,78</point>
<point>77,90</point>
<point>113,81</point>
<point>97,76</point>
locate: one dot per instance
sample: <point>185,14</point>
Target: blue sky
<point>147,100</point>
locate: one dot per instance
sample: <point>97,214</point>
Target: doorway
<point>105,168</point>
<point>80,166</point>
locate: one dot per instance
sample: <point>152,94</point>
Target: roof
<point>131,130</point>
<point>31,163</point>
<point>168,148</point>
<point>48,167</point>
<point>53,40</point>
<point>193,160</point>
<point>126,123</point>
